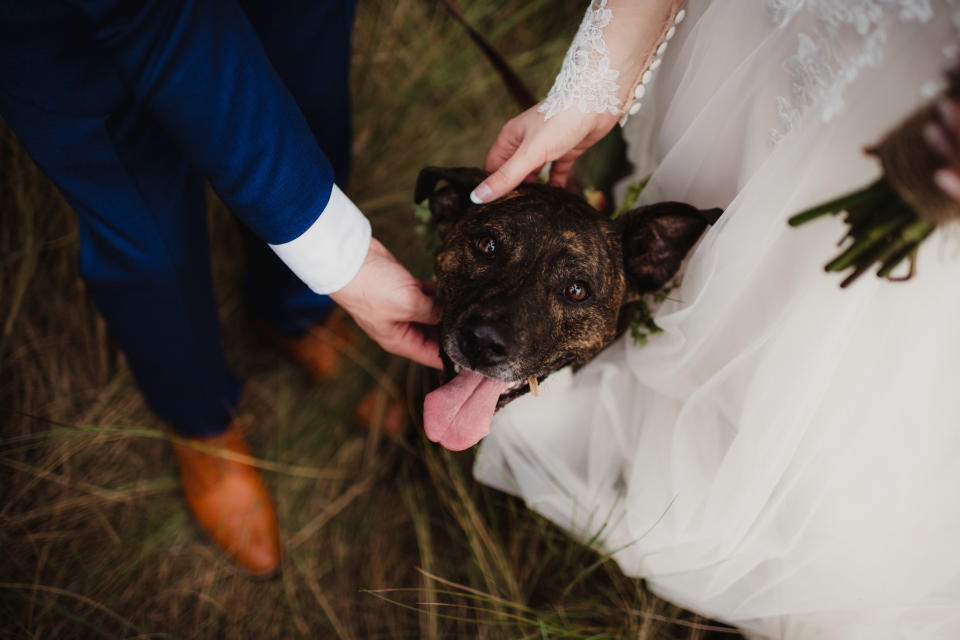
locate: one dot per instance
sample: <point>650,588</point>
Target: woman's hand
<point>944,138</point>
<point>527,142</point>
<point>631,31</point>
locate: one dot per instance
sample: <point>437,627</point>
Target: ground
<point>385,536</point>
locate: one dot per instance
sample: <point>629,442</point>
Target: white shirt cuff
<point>328,254</point>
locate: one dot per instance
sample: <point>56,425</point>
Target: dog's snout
<point>485,341</point>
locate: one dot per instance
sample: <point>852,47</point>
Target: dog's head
<point>533,282</point>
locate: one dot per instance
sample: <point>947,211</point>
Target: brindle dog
<point>533,282</point>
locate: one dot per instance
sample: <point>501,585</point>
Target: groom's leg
<point>143,253</point>
<point>308,44</point>
<point>144,256</point>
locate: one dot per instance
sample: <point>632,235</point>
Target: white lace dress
<point>785,456</point>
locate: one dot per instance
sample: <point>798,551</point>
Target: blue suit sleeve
<point>199,68</point>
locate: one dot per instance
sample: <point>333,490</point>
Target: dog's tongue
<point>458,414</point>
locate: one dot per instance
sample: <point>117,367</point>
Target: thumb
<point>417,344</point>
<point>506,178</point>
<point>425,309</point>
<point>560,172</point>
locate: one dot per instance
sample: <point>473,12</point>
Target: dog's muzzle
<point>486,341</point>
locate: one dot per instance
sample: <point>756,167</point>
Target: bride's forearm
<point>636,32</point>
<point>615,45</point>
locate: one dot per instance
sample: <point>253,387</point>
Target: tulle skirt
<point>785,455</point>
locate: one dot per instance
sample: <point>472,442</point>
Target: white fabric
<point>785,456</point>
<point>328,254</point>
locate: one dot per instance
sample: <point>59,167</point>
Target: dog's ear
<point>449,203</point>
<point>656,239</point>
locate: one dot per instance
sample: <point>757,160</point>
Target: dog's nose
<point>485,341</point>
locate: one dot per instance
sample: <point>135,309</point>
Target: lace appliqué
<point>586,79</point>
<point>821,68</point>
<point>951,54</point>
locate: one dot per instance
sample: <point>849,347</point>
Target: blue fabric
<point>125,105</point>
<point>292,33</point>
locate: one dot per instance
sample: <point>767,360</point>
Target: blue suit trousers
<point>144,246</point>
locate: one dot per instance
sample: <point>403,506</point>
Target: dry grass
<point>385,538</point>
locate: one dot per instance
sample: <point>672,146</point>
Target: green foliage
<point>640,314</point>
<point>424,227</point>
<point>630,196</point>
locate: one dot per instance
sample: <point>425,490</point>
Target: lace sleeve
<point>603,54</point>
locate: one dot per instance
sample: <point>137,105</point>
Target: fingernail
<point>481,194</point>
<point>949,181</point>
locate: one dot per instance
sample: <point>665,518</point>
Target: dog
<point>532,282</point>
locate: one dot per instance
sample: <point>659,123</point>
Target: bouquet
<point>889,219</point>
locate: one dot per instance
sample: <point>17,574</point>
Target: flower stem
<point>910,239</point>
<point>874,235</point>
<point>864,199</point>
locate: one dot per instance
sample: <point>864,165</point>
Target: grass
<point>385,537</point>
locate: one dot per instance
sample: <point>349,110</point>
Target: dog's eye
<point>577,291</point>
<point>486,245</point>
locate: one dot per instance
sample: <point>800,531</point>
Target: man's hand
<point>388,303</point>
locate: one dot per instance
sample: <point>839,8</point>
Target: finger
<point>507,177</point>
<point>499,154</point>
<point>534,176</point>
<point>431,332</point>
<point>415,344</point>
<point>939,141</point>
<point>949,112</point>
<point>508,141</point>
<point>429,287</point>
<point>560,172</point>
<point>949,181</point>
<point>423,308</point>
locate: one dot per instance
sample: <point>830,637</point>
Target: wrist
<point>613,56</point>
<point>329,254</point>
<point>647,32</point>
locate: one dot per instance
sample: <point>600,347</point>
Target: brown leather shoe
<point>380,410</point>
<point>319,350</point>
<point>230,502</point>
